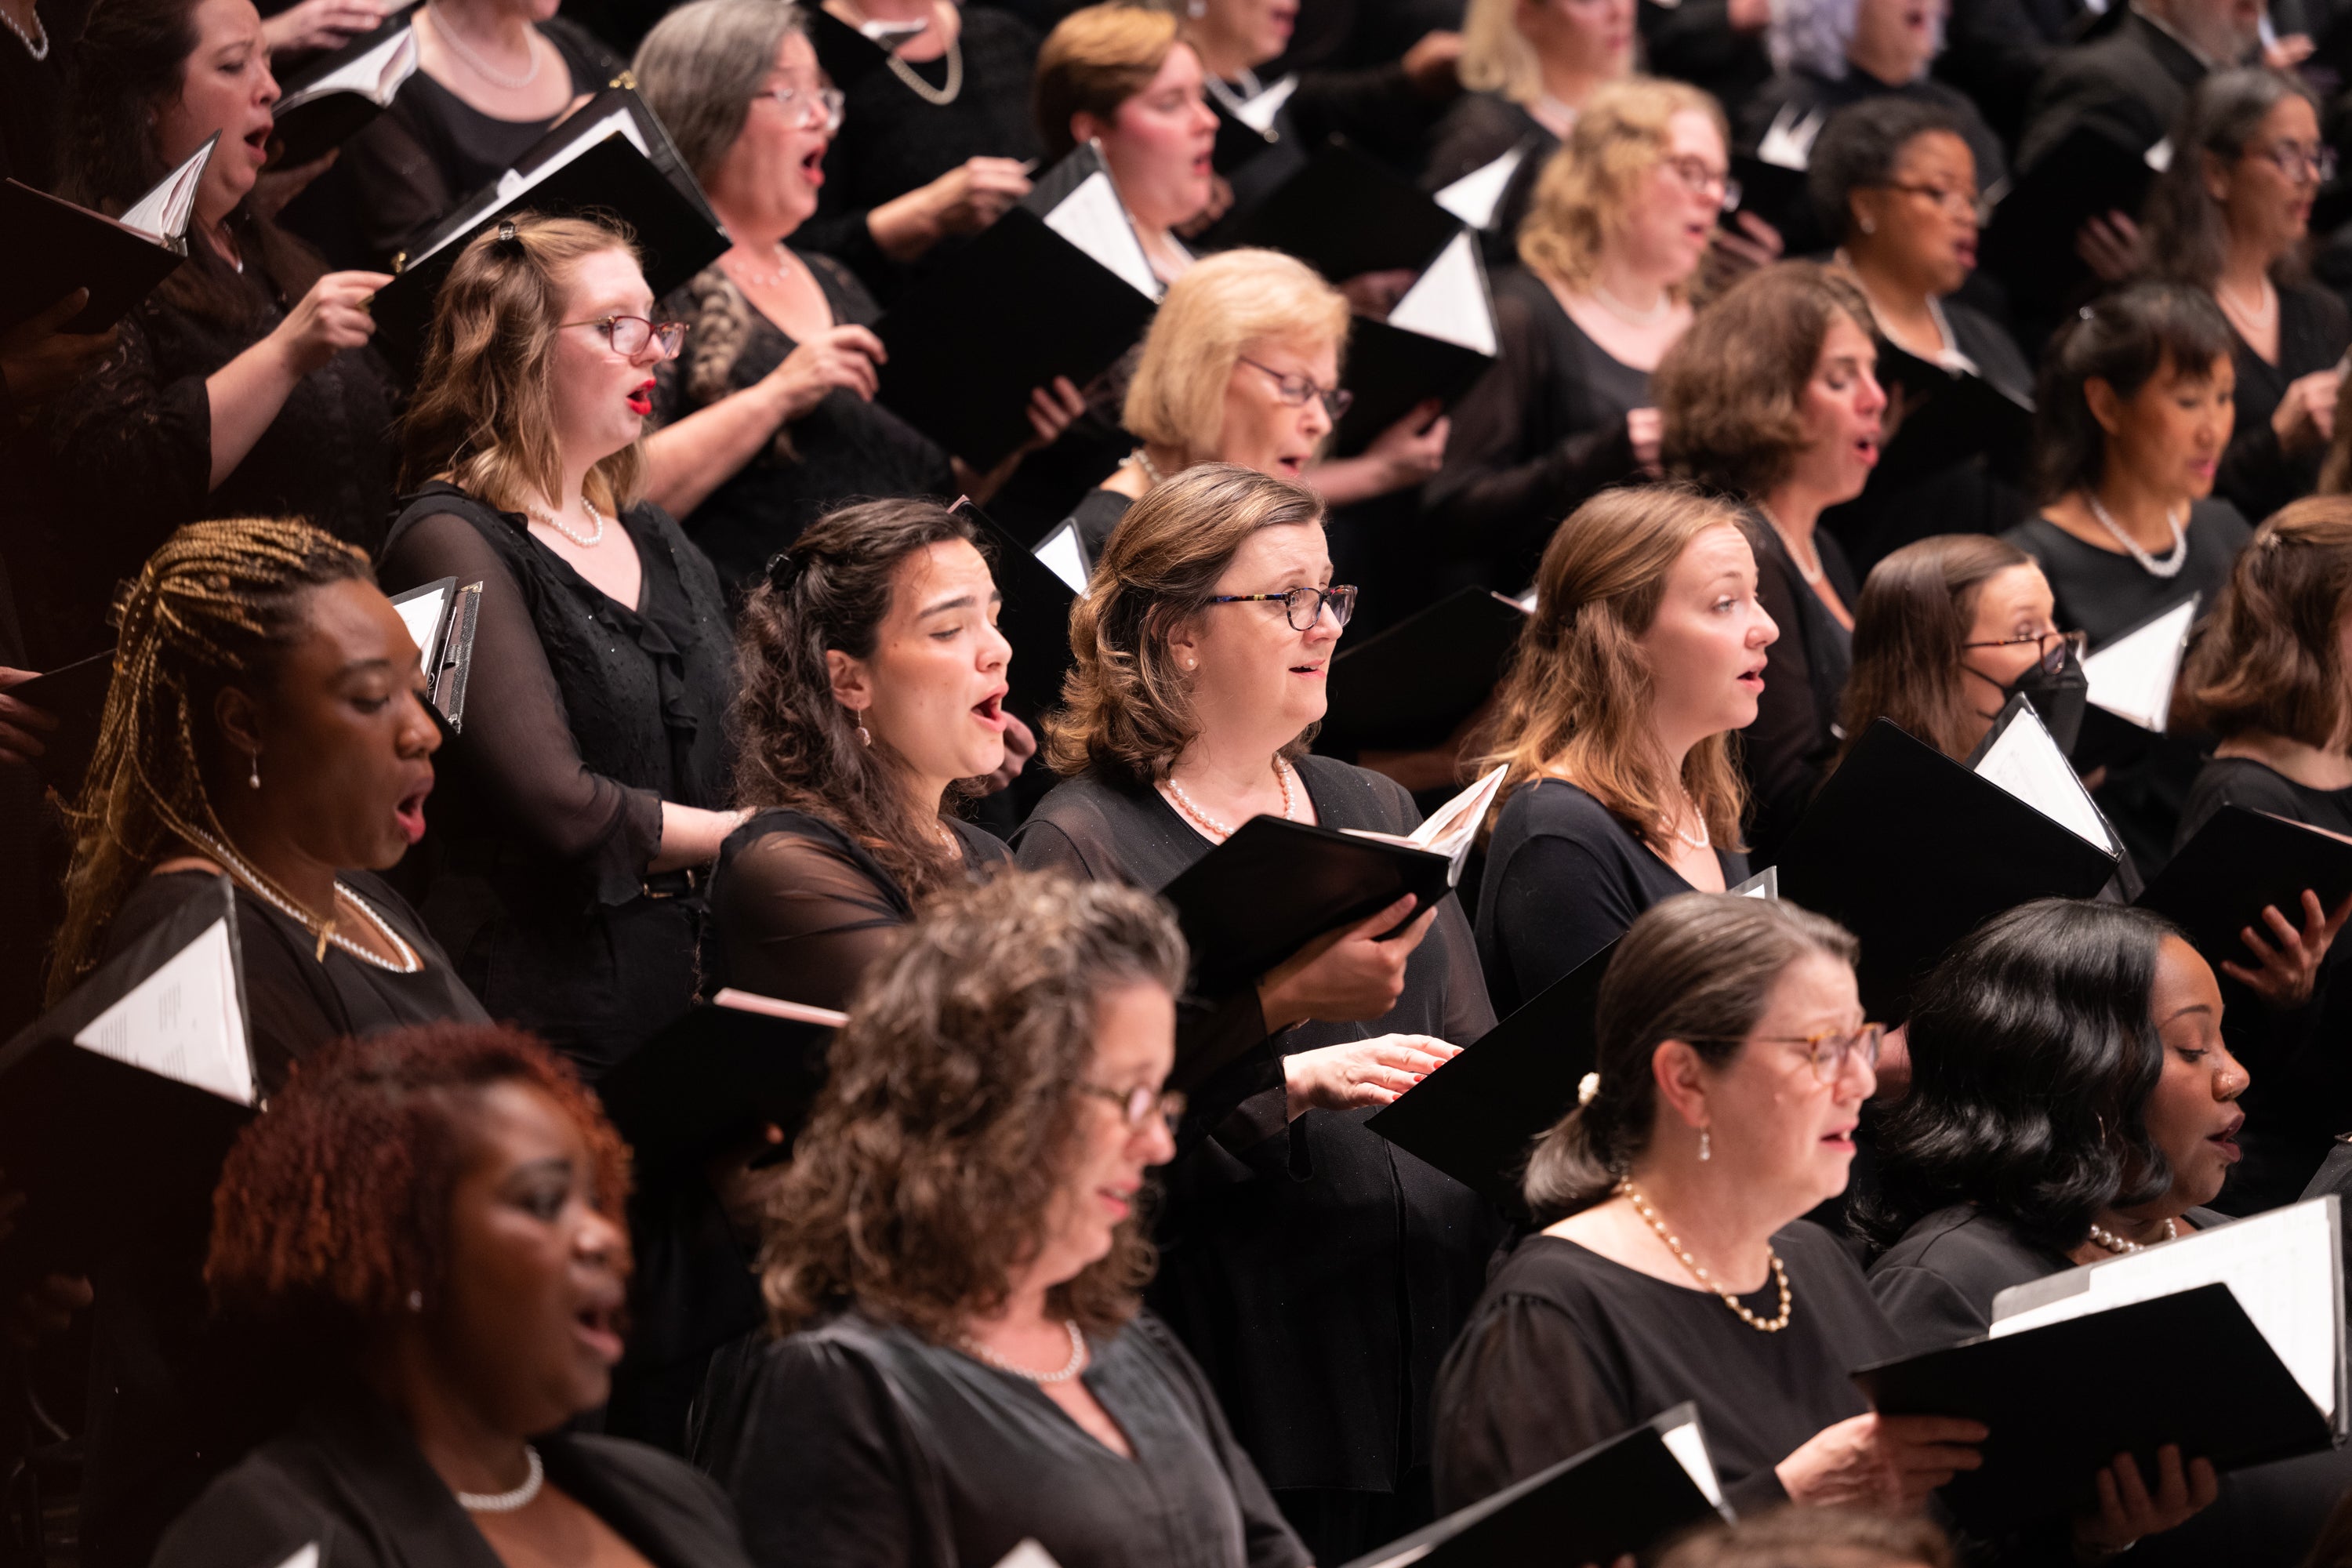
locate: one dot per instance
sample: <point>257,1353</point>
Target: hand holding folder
<point>55,248</point>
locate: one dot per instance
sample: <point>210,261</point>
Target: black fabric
<point>1569,1348</point>
<point>1541,432</point>
<point>1097,514</point>
<point>349,1477</point>
<point>1564,878</point>
<point>33,96</point>
<point>1794,739</point>
<point>584,715</point>
<point>1316,1271</point>
<point>1478,129</point>
<point>845,448</point>
<point>2132,83</point>
<point>856,1444</point>
<point>2314,331</point>
<point>1995,50</point>
<point>1694,41</point>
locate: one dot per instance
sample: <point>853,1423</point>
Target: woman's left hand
<point>2286,973</point>
<point>2306,416</point>
<point>1747,244</point>
<point>1413,448</point>
<point>2126,1512</point>
<point>321,24</point>
<point>1052,410</point>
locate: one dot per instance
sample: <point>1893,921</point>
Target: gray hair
<point>2186,230</point>
<point>701,65</point>
<point>1815,34</point>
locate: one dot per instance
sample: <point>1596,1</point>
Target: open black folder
<point>2258,1306</point>
<point>2238,862</point>
<point>1344,215</point>
<point>1413,683</point>
<point>2131,676</point>
<point>75,696</point>
<point>55,247</point>
<point>1035,619</point>
<point>1436,341</point>
<point>2088,173</point>
<point>713,1079</point>
<point>1625,1495</point>
<point>134,1086</point>
<point>335,98</point>
<point>847,55</point>
<point>442,615</point>
<point>1950,415</point>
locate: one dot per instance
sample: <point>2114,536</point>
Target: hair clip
<point>784,569</point>
<point>2083,314</point>
<point>1588,1089</point>
<point>506,235</point>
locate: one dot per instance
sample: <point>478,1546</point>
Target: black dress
<point>857,1444</point>
<point>584,715</point>
<point>845,448</point>
<point>1316,1271</point>
<point>1795,737</point>
<point>1542,431</point>
<point>1564,878</point>
<point>167,1410</point>
<point>1478,129</point>
<point>33,96</point>
<point>2314,331</point>
<point>1569,1349</point>
<point>349,1476</point>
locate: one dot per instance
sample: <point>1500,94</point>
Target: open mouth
<point>1841,1140</point>
<point>1119,1201</point>
<point>641,401</point>
<point>257,138</point>
<point>410,812</point>
<point>812,165</point>
<point>1752,680</point>
<point>1313,671</point>
<point>989,711</point>
<point>2226,1140</point>
<point>1866,450</point>
<point>598,1328</point>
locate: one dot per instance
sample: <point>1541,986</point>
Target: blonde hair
<point>1210,319</point>
<point>484,412</point>
<point>1589,188</point>
<point>1577,696</point>
<point>1496,56</point>
<point>1094,60</point>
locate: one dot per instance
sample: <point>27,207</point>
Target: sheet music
<point>376,75</point>
<point>1258,112</point>
<point>2281,1266</point>
<point>2133,676</point>
<point>1788,141</point>
<point>1093,219</point>
<point>1451,826</point>
<point>1028,1554</point>
<point>777,1007</point>
<point>2026,762</point>
<point>306,1558</point>
<point>421,613</point>
<point>1061,551</point>
<point>161,215</point>
<point>1448,301</point>
<point>1687,1444</point>
<point>1765,884</point>
<point>1476,196</point>
<point>2158,157</point>
<point>184,1021</point>
<point>512,183</point>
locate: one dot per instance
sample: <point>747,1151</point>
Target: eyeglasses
<point>1828,1050</point>
<point>1296,601</point>
<point>1295,390</point>
<point>810,103</point>
<point>1702,177</point>
<point>630,334</point>
<point>1955,200</point>
<point>1139,1104</point>
<point>2299,161</point>
<point>2050,646</point>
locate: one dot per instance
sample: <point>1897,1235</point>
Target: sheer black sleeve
<point>1518,1394</point>
<point>516,752</point>
<point>800,920</point>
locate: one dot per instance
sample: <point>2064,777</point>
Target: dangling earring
<point>417,1300</point>
<point>253,779</point>
<point>865,737</point>
<point>1705,1145</point>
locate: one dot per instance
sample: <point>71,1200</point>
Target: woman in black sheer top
<point>584,793</point>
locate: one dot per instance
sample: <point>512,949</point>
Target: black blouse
<point>1564,878</point>
<point>1319,1209</point>
<point>857,1444</point>
<point>2314,331</point>
<point>1795,737</point>
<point>1569,1349</point>
<point>584,715</point>
<point>1541,432</point>
<point>844,449</point>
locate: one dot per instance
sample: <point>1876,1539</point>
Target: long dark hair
<point>798,747</point>
<point>2123,340</point>
<point>2033,1053</point>
<point>2186,233</point>
<point>1909,626</point>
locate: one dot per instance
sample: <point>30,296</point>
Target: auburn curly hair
<point>335,1203</point>
<point>2270,657</point>
<point>922,1180</point>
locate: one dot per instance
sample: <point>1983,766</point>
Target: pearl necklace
<point>252,877</point>
<point>1150,469</point>
<point>1811,574</point>
<point>481,67</point>
<point>1069,1369</point>
<point>751,280</point>
<point>1210,824</point>
<point>40,51</point>
<point>1627,313</point>
<point>595,537</point>
<point>2265,303</point>
<point>1705,840</point>
<point>508,1501</point>
<point>2116,1244</point>
<point>2170,565</point>
<point>1633,1194</point>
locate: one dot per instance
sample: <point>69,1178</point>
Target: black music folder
<point>847,55</point>
<point>1344,215</point>
<point>339,95</point>
<point>1080,201</point>
<point>129,1091</point>
<point>2261,1300</point>
<point>1035,619</point>
<point>2088,173</point>
<point>1248,129</point>
<point>713,1079</point>
<point>1911,851</point>
<point>2238,862</point>
<point>2131,676</point>
<point>1482,196</point>
<point>442,617</point>
<point>1623,1496</point>
<point>75,696</point>
<point>1437,341</point>
<point>55,247</point>
<point>1413,684</point>
<point>1950,415</point>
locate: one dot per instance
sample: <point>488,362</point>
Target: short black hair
<point>2033,1053</point>
<point>2123,340</point>
<point>1859,148</point>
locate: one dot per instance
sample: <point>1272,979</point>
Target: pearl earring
<point>1196,9</point>
<point>417,1300</point>
<point>864,736</point>
<point>1868,226</point>
<point>253,779</point>
<point>1706,1148</point>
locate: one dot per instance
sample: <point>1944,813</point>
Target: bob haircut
<point>1208,321</point>
<point>950,1108</point>
<point>1577,692</point>
<point>2271,658</point>
<point>2187,234</point>
<point>1730,391</point>
<point>335,1205</point>
<point>1699,968</point>
<point>1094,60</point>
<point>1909,626</point>
<point>484,412</point>
<point>2033,1056</point>
<point>1588,189</point>
<point>1126,711</point>
<point>2125,340</point>
<point>702,64</point>
<point>1860,150</point>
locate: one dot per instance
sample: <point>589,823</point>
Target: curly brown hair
<point>922,1180</point>
<point>795,744</point>
<point>1125,710</point>
<point>334,1204</point>
<point>2272,656</point>
<point>1729,391</point>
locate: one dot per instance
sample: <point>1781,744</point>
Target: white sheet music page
<point>1448,301</point>
<point>1028,1554</point>
<point>1687,1444</point>
<point>183,1022</point>
<point>422,616</point>
<point>1475,197</point>
<point>161,215</point>
<point>376,75</point>
<point>306,1558</point>
<point>1093,219</point>
<point>1788,141</point>
<point>2281,1266</point>
<point>2133,676</point>
<point>1061,550</point>
<point>2028,763</point>
<point>1258,112</point>
<point>620,122</point>
<point>1451,826</point>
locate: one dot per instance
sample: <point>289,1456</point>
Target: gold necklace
<point>1633,1194</point>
